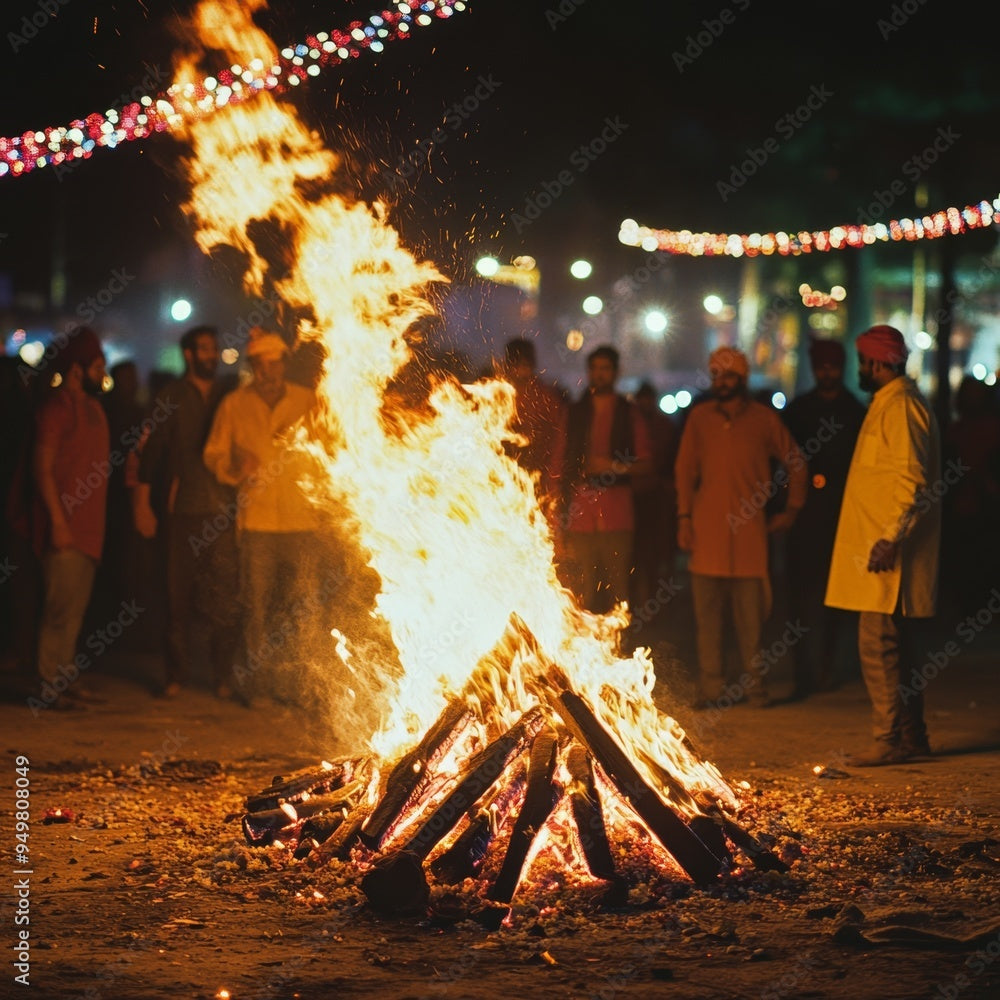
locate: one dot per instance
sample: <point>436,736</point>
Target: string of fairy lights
<point>926,227</point>
<point>181,102</point>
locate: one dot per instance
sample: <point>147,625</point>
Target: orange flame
<point>451,524</point>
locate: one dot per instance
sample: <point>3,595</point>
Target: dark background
<point>696,87</point>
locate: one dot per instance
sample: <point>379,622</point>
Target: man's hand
<point>245,463</point>
<point>145,519</point>
<point>60,537</point>
<point>685,534</point>
<point>882,557</point>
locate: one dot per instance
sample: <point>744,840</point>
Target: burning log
<point>326,778</point>
<point>464,858</point>
<point>347,836</point>
<point>315,831</point>
<point>411,771</point>
<point>762,858</point>
<point>684,845</point>
<point>588,816</point>
<point>261,828</point>
<point>541,796</point>
<point>396,883</point>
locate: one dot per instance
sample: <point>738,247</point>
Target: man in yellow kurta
<point>735,455</point>
<point>276,522</point>
<point>885,556</point>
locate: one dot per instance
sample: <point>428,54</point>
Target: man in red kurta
<point>735,455</point>
<point>602,442</point>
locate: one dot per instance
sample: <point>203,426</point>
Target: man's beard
<point>724,393</point>
<point>865,382</point>
<point>92,388</point>
<point>204,369</point>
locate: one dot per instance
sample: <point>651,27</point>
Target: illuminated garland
<point>161,113</point>
<point>927,227</point>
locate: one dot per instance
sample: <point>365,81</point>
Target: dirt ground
<point>150,890</point>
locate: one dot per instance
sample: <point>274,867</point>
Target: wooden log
<point>347,836</point>
<point>311,779</point>
<point>541,795</point>
<point>759,855</point>
<point>396,883</point>
<point>465,857</point>
<point>762,859</point>
<point>315,831</point>
<point>484,769</point>
<point>409,774</point>
<point>683,844</point>
<point>588,815</point>
<point>261,828</point>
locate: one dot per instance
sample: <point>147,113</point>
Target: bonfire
<point>511,725</point>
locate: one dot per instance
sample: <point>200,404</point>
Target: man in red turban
<point>883,343</point>
<point>885,555</point>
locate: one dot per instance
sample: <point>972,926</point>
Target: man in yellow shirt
<point>885,555</point>
<point>248,447</point>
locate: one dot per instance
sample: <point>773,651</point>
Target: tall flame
<point>448,521</point>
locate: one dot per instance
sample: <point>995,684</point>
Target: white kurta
<point>893,491</point>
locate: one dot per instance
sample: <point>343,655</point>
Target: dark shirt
<point>172,454</point>
<point>826,430</point>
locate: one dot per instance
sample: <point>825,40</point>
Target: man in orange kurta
<point>735,455</point>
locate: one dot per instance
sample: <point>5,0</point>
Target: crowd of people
<point>191,503</point>
<point>854,497</point>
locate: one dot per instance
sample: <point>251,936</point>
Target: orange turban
<point>728,359</point>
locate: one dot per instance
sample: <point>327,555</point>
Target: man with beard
<point>885,555</point>
<point>249,448</point>
<point>735,455</point>
<point>602,443</point>
<point>824,422</point>
<point>71,468</point>
<point>538,411</point>
<point>202,579</point>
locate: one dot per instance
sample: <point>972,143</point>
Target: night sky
<point>643,109</point>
